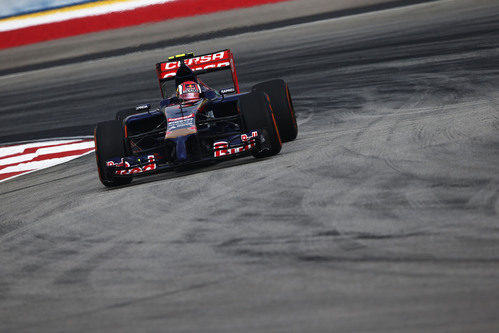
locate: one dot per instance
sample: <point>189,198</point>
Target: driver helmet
<point>189,91</point>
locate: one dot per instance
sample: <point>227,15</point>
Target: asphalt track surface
<point>381,217</point>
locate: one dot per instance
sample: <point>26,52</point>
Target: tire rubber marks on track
<point>16,160</point>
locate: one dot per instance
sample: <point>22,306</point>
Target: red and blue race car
<point>196,125</point>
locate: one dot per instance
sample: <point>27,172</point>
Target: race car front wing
<point>154,163</point>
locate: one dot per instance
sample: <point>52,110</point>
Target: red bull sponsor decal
<point>221,148</point>
<point>133,171</point>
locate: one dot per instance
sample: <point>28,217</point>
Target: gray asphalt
<point>190,29</point>
<point>381,217</point>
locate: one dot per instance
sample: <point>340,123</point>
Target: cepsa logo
<point>221,148</point>
<point>215,60</point>
<point>147,167</point>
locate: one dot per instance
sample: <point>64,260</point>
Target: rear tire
<point>109,143</point>
<point>282,106</point>
<point>257,114</point>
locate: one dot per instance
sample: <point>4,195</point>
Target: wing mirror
<point>143,107</point>
<point>227,91</point>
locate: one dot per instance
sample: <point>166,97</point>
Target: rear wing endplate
<point>211,62</point>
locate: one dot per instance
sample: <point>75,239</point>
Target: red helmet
<point>189,91</point>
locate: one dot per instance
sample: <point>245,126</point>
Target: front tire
<point>282,106</point>
<point>257,114</point>
<point>109,143</point>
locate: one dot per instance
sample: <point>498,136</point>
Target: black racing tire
<point>109,143</point>
<point>257,115</point>
<point>282,106</point>
<point>121,115</point>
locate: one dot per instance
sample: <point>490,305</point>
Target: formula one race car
<point>197,125</point>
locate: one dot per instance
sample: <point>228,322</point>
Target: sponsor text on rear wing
<point>205,63</point>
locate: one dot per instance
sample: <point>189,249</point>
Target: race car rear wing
<point>211,62</point>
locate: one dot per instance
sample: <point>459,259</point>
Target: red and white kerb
<point>19,159</point>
